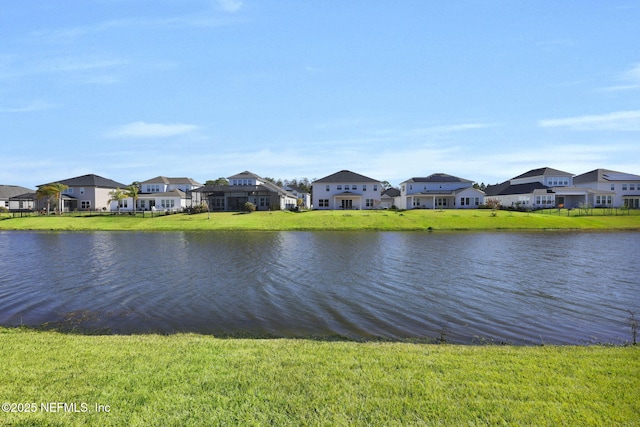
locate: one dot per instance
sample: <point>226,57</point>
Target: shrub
<point>249,207</point>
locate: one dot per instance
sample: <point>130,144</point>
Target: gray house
<point>14,197</point>
<point>86,192</point>
<point>246,187</point>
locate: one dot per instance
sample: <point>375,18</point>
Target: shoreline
<point>379,220</point>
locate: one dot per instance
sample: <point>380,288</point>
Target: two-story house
<point>546,188</point>
<point>246,187</point>
<point>165,193</point>
<point>86,192</point>
<point>439,191</point>
<point>624,186</point>
<point>346,190</point>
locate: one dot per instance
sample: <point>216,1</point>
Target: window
<point>624,187</point>
<point>85,204</point>
<point>369,203</point>
<point>632,187</point>
<point>328,187</point>
<point>354,187</point>
<point>545,200</point>
<point>339,187</point>
<point>323,203</point>
<point>375,187</point>
<point>364,187</point>
<point>613,187</point>
<point>81,190</point>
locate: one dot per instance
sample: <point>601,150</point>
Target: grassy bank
<point>200,380</point>
<point>336,220</point>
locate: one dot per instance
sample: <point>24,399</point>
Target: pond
<point>471,287</point>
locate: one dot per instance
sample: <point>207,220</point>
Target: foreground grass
<point>179,380</point>
<point>334,220</point>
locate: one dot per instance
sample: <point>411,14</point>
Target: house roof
<point>345,176</point>
<point>7,191</point>
<point>506,188</point>
<point>168,181</point>
<point>246,175</point>
<point>90,180</point>
<point>438,177</point>
<point>601,175</point>
<point>391,192</point>
<point>171,193</point>
<point>542,172</point>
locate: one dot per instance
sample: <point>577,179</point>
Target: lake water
<point>472,287</point>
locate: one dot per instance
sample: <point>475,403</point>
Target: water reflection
<point>471,287</point>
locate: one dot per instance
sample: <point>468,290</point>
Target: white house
<point>625,187</point>
<point>390,198</point>
<point>441,191</point>
<point>546,188</point>
<point>162,193</point>
<point>303,197</point>
<point>346,190</point>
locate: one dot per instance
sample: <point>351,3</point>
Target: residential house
<point>86,192</point>
<point>390,198</point>
<point>346,190</point>
<point>14,197</point>
<point>625,187</point>
<point>304,198</point>
<point>545,188</point>
<point>246,187</point>
<point>162,193</point>
<point>441,191</point>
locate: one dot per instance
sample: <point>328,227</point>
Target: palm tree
<point>132,191</point>
<point>50,191</point>
<point>117,195</point>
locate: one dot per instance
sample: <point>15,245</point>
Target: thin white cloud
<point>151,130</point>
<point>229,5</point>
<point>28,108</point>
<point>630,80</point>
<point>616,121</point>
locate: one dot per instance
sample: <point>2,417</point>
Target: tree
<point>385,185</point>
<point>52,191</point>
<point>132,191</point>
<point>117,195</point>
<point>216,182</point>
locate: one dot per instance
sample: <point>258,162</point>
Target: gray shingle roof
<point>7,191</point>
<point>438,177</point>
<point>174,181</point>
<point>506,188</point>
<point>542,172</point>
<point>90,180</point>
<point>345,176</point>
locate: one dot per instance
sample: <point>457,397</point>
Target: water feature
<point>473,287</point>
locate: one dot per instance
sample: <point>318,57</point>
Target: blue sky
<point>485,90</point>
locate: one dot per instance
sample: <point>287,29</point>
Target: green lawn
<point>180,380</point>
<point>336,220</point>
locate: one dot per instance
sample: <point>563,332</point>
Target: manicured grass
<point>337,220</point>
<point>178,380</point>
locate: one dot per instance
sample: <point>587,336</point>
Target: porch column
<point>434,202</point>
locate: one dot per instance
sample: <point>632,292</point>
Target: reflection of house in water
<point>246,187</point>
